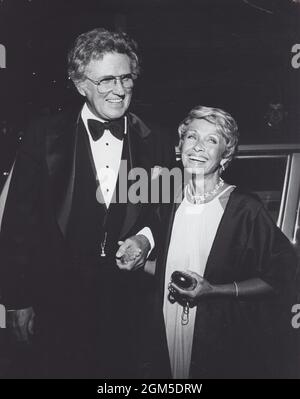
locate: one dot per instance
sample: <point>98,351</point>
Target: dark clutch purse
<point>183,280</point>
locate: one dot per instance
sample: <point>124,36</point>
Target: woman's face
<point>202,148</point>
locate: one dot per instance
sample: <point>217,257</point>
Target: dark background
<point>232,54</point>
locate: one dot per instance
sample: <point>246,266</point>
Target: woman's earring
<point>222,166</point>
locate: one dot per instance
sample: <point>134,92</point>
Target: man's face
<point>113,104</point>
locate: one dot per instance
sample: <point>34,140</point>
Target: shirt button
<point>106,143</point>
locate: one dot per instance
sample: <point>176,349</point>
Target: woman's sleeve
<point>274,255</point>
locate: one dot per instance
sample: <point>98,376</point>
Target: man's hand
<point>133,252</point>
<point>21,323</point>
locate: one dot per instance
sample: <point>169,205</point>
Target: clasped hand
<point>132,253</point>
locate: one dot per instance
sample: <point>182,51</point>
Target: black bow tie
<point>97,128</point>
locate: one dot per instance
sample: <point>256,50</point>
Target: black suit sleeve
<point>20,233</point>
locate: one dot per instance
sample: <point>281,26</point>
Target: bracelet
<point>236,289</point>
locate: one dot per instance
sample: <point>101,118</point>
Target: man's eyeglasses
<point>108,83</point>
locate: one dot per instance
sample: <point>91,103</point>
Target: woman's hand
<point>254,287</point>
<point>202,289</point>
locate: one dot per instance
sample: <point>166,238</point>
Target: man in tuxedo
<point>73,276</point>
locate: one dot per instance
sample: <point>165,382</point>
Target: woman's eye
<point>213,140</point>
<point>191,136</point>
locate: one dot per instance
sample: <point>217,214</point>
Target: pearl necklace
<point>199,199</point>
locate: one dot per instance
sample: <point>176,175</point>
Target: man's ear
<point>80,86</point>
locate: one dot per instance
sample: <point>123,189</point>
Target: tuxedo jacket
<point>234,337</point>
<point>47,173</point>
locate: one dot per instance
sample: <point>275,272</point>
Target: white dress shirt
<point>107,153</point>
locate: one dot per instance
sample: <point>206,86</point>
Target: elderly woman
<point>229,322</point>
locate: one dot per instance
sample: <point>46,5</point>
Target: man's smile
<point>115,100</point>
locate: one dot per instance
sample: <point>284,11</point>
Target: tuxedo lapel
<point>139,155</point>
<point>82,133</point>
<point>61,146</point>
